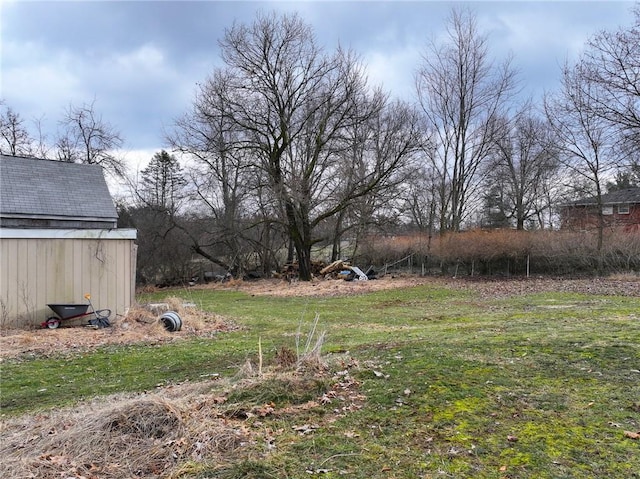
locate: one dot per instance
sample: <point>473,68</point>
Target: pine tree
<point>162,183</point>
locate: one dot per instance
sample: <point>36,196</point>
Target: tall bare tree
<point>611,64</point>
<point>86,138</point>
<point>523,166</point>
<point>391,135</point>
<point>461,93</point>
<point>586,140</point>
<point>289,105</point>
<point>221,174</point>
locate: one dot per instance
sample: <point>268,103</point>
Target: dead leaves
<point>628,434</point>
<point>69,467</point>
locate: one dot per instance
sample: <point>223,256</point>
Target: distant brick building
<point>620,209</point>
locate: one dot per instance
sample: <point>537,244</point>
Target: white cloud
<point>539,35</point>
<point>146,57</point>
<point>393,69</point>
<point>136,160</point>
<point>36,79</point>
<point>141,66</point>
<point>136,90</point>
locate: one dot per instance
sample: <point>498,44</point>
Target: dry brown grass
<point>317,287</point>
<point>619,284</point>
<point>117,437</point>
<point>166,432</point>
<point>140,325</point>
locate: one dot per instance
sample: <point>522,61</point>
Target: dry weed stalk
<point>311,355</point>
<point>4,315</point>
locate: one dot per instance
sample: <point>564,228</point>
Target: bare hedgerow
<point>500,251</point>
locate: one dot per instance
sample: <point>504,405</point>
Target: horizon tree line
<point>287,147</point>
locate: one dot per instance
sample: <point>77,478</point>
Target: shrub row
<point>507,252</point>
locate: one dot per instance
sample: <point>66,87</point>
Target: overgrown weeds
<point>161,434</point>
<point>488,381</point>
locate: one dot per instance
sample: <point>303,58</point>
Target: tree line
<point>288,150</point>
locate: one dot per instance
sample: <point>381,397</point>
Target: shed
<point>59,240</point>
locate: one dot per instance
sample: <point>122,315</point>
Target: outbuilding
<point>59,240</point>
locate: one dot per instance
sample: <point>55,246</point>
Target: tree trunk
<point>337,237</point>
<point>303,252</point>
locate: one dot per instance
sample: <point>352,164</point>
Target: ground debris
<point>140,325</point>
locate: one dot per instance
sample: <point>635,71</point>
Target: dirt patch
<point>317,287</point>
<point>625,285</point>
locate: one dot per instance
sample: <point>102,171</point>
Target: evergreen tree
<point>162,183</point>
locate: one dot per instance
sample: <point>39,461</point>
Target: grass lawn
<point>441,383</point>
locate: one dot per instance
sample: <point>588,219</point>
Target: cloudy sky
<point>140,60</point>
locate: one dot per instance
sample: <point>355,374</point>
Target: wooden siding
<point>35,272</point>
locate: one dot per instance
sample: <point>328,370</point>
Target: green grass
<point>536,386</point>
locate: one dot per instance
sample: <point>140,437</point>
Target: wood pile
<point>333,270</point>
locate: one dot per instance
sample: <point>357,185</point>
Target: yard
<point>393,378</point>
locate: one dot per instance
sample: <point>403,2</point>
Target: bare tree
<point>297,100</point>
<point>86,138</point>
<point>390,137</point>
<point>585,139</point>
<point>420,199</point>
<point>461,93</point>
<point>524,163</point>
<point>289,105</point>
<point>611,64</point>
<point>41,147</point>
<point>16,140</point>
<point>221,175</point>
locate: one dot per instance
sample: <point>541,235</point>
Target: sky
<point>139,61</point>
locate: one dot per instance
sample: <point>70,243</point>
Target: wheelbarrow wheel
<point>53,323</point>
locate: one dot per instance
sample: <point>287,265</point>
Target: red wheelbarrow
<point>100,318</point>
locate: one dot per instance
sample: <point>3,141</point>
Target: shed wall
<point>35,272</point>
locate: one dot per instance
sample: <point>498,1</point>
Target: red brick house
<point>619,209</point>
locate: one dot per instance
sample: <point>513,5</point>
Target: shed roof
<point>46,189</point>
<point>625,196</point>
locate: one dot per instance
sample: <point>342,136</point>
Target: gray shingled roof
<point>626,196</point>
<point>35,188</point>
